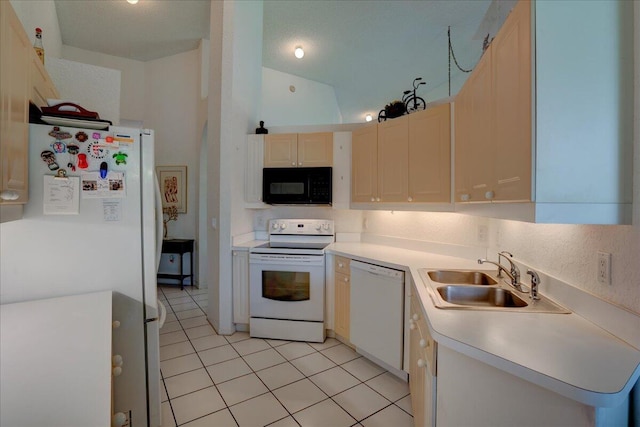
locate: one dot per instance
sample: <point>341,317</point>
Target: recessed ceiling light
<point>133,1</point>
<point>299,52</point>
<point>368,117</point>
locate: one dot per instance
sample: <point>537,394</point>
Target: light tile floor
<point>213,380</point>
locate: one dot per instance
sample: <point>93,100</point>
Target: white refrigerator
<point>97,228</point>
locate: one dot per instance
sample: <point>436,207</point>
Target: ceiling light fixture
<point>299,52</point>
<point>368,117</point>
<point>132,1</point>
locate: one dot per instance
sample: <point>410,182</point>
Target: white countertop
<point>55,362</point>
<point>561,352</point>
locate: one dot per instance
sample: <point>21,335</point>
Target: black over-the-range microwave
<point>297,186</point>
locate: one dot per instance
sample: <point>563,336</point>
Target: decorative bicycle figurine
<point>411,101</point>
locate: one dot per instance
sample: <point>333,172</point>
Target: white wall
<point>164,95</point>
<point>247,82</point>
<point>172,90</point>
<point>568,252</point>
<point>41,13</point>
<point>234,82</point>
<point>312,103</point>
<point>132,102</point>
<point>93,88</point>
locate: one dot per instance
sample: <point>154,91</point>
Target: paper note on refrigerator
<point>61,196</point>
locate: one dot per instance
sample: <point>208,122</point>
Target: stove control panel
<point>309,227</point>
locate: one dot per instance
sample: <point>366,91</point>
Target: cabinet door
<point>364,164</point>
<point>42,87</point>
<point>463,132</point>
<point>480,145</point>
<point>430,155</point>
<point>393,157</point>
<point>240,282</point>
<point>512,88</point>
<point>416,374</point>
<point>315,149</point>
<point>14,108</point>
<point>342,304</point>
<point>281,150</point>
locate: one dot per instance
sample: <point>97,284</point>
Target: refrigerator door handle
<point>159,222</point>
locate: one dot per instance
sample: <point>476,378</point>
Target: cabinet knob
<point>300,164</point>
<point>410,199</point>
<point>415,316</point>
<point>293,163</point>
<point>373,199</point>
<point>423,343</point>
<point>489,195</point>
<point>118,419</point>
<point>116,360</point>
<point>9,195</point>
<point>412,326</point>
<point>465,197</point>
<point>115,324</point>
<point>421,363</point>
<point>341,265</point>
<point>116,371</point>
<point>377,199</point>
<point>346,279</point>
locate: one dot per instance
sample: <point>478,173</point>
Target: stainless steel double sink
<point>482,290</point>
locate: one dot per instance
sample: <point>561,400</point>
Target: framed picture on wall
<point>173,186</point>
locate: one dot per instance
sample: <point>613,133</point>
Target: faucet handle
<point>515,271</point>
<point>535,281</point>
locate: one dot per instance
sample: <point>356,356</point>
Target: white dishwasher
<point>377,307</point>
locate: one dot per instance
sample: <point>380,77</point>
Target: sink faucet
<point>535,281</point>
<point>513,273</point>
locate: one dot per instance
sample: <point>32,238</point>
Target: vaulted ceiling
<point>368,50</point>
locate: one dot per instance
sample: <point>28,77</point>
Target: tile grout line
<point>208,374</point>
<point>289,361</point>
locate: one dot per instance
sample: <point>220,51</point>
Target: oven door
<point>286,287</point>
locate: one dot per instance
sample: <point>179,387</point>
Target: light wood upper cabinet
<point>493,118</point>
<point>474,133</point>
<point>315,149</point>
<point>404,160</point>
<point>15,50</point>
<point>430,155</point>
<point>364,164</point>
<point>298,150</point>
<point>281,150</point>
<point>511,50</point>
<point>393,154</point>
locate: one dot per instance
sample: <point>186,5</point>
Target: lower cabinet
<point>422,368</point>
<point>468,392</point>
<point>342,297</point>
<point>240,283</point>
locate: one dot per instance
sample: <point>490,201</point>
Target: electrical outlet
<point>483,231</point>
<point>604,268</point>
<point>260,221</point>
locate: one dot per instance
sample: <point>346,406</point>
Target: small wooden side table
<point>179,247</point>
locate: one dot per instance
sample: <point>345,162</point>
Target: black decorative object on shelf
<point>410,103</point>
<point>261,130</point>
